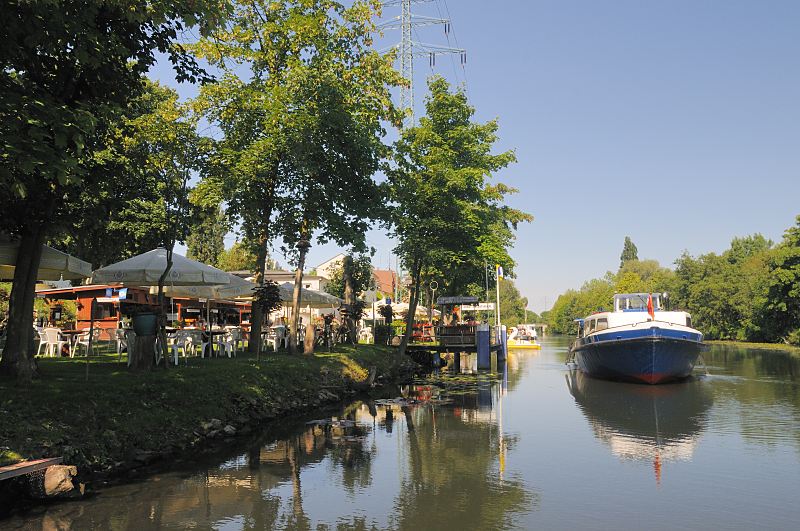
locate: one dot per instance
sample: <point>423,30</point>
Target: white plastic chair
<point>231,341</point>
<point>42,342</point>
<point>83,341</point>
<point>183,340</point>
<point>120,336</point>
<point>194,341</point>
<point>276,337</point>
<point>54,341</point>
<point>365,334</point>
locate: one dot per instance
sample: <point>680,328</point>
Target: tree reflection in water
<point>449,456</point>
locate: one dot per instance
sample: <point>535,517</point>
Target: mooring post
<point>483,346</point>
<point>502,352</point>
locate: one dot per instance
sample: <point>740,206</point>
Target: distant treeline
<point>751,292</point>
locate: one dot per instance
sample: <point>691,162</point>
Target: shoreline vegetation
<point>119,421</point>
<point>748,293</point>
<point>782,347</point>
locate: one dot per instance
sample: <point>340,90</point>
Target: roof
<point>88,287</point>
<point>289,274</point>
<point>385,279</point>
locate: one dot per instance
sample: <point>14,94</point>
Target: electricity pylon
<point>409,48</point>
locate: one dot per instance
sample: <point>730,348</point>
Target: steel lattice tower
<point>409,48</point>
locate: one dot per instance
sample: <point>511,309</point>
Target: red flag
<point>650,307</point>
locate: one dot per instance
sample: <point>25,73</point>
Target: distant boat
<point>523,336</point>
<point>638,341</point>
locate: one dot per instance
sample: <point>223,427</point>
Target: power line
<point>409,48</point>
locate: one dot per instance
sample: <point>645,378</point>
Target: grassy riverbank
<point>118,420</point>
<point>783,347</point>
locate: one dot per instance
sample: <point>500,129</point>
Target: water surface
<point>528,445</point>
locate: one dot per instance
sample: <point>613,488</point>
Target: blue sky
<point>674,122</point>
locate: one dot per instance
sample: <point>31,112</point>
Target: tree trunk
<point>17,357</point>
<point>349,295</point>
<point>416,269</point>
<point>143,353</point>
<point>298,284</point>
<point>256,314</point>
<point>162,318</point>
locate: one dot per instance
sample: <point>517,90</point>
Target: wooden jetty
<point>27,467</point>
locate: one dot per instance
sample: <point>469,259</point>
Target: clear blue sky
<point>674,122</point>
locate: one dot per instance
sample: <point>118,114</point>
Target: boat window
<point>590,326</point>
<point>688,320</point>
<point>602,324</point>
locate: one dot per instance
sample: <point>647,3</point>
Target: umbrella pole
<point>91,334</point>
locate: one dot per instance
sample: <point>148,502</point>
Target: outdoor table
<point>72,337</point>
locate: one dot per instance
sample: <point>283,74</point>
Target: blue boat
<point>638,341</point>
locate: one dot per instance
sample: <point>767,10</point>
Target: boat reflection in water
<point>642,422</point>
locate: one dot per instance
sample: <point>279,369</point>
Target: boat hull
<point>652,359</point>
<point>517,345</point>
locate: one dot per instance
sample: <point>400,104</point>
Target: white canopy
<point>308,297</point>
<point>402,307</point>
<point>145,270</point>
<point>237,287</point>
<point>53,266</point>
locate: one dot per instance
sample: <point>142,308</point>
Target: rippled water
<point>531,446</point>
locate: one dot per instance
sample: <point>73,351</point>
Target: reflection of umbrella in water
<point>658,423</point>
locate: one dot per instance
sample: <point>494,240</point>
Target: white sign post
<point>499,274</point>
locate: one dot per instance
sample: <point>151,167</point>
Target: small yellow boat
<point>523,336</point>
<point>517,344</point>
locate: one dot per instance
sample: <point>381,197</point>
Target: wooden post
<point>308,346</point>
<point>91,334</point>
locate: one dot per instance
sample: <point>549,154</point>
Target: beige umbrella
<point>236,288</point>
<point>145,270</point>
<point>54,264</point>
<point>308,297</point>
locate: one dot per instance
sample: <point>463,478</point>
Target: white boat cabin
<point>630,309</point>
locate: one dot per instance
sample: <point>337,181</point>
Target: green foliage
<point>361,275</point>
<point>446,215</point>
<point>385,310</point>
<point>782,308</point>
<point>629,252</point>
<point>751,292</point>
<point>725,293</point>
<point>512,304</point>
<point>208,227</point>
<point>302,127</point>
<point>239,257</point>
<point>136,198</point>
<point>268,296</point>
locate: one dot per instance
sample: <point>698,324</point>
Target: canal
<point>531,446</point>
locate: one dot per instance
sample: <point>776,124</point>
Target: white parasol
<point>53,265</point>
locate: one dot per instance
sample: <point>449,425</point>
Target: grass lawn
<point>117,414</point>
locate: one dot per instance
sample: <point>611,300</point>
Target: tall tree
<point>206,239</point>
<point>361,275</point>
<point>239,257</point>
<point>302,127</point>
<point>444,211</point>
<point>118,209</point>
<point>783,308</point>
<point>63,66</point>
<point>629,252</point>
